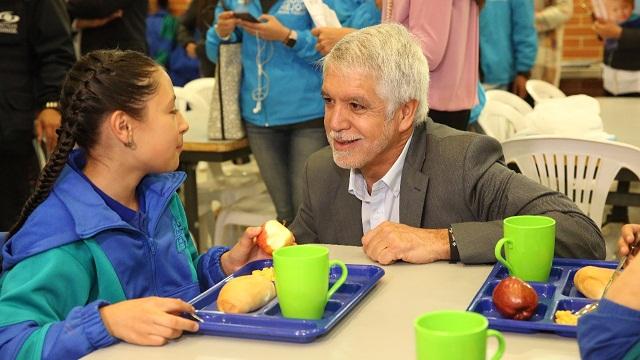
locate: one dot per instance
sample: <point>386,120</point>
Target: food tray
<point>267,323</point>
<point>558,293</point>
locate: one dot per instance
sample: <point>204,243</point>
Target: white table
<point>380,327</point>
<point>621,117</point>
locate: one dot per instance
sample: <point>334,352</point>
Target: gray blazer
<point>452,178</point>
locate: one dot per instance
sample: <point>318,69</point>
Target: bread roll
<point>591,281</point>
<point>245,294</point>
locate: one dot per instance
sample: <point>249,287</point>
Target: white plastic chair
<point>252,210</point>
<point>541,90</point>
<point>582,169</point>
<point>510,99</point>
<point>499,120</point>
<point>202,86</point>
<point>187,100</point>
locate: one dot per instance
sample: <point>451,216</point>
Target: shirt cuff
<point>96,332</point>
<point>608,307</point>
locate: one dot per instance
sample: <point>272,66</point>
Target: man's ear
<point>120,127</point>
<point>407,114</point>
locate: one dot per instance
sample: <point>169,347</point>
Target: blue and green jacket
<point>75,254</point>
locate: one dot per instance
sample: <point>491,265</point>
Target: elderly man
<point>404,187</point>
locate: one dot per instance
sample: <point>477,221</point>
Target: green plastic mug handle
<point>340,280</point>
<point>498,253</point>
<point>501,343</point>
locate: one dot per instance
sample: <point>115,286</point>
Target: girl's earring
<point>130,144</point>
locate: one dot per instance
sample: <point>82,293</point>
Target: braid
<point>99,83</point>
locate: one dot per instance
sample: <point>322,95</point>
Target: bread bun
<point>245,294</point>
<point>591,281</point>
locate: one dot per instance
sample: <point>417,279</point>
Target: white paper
<point>321,14</point>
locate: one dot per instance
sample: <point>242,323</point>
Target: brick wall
<point>580,42</point>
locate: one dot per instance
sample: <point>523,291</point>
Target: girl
<point>105,225</point>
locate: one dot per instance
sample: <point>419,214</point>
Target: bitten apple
<point>274,236</point>
<point>515,299</point>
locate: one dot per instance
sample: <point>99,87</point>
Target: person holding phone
<point>280,91</point>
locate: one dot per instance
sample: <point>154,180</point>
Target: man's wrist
<point>223,38</point>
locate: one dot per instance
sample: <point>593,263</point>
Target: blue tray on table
<point>558,293</point>
<point>267,323</point>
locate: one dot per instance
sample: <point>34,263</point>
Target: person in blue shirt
<point>101,251</point>
<point>613,330</point>
<point>280,98</point>
<point>508,44</point>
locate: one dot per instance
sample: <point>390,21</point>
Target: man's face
<point>618,10</point>
<point>355,120</point>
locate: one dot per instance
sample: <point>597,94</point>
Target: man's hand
<point>191,50</point>
<point>270,29</point>
<point>226,24</point>
<point>46,123</point>
<point>245,250</point>
<point>607,29</point>
<point>625,289</point>
<point>390,242</point>
<point>519,86</point>
<point>628,235</point>
<point>148,321</point>
<point>94,23</point>
<point>328,37</point>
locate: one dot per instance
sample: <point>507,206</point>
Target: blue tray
<point>558,293</point>
<point>267,323</point>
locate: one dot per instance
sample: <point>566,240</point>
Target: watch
<point>291,39</point>
<point>52,105</point>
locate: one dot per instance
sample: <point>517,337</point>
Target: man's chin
<point>345,161</point>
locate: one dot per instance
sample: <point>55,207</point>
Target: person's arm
<point>554,16</point>
<point>612,331</point>
<point>54,56</point>
<point>214,39</point>
<point>494,192</point>
<point>94,9</point>
<point>525,43</point>
<point>187,27</point>
<point>44,311</point>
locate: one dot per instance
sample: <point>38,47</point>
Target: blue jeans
<point>281,153</point>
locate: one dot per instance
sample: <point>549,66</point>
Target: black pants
<point>18,174</point>
<point>455,119</point>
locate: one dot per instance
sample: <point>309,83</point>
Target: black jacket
<point>35,53</point>
<point>194,24</point>
<point>626,55</point>
<point>125,33</point>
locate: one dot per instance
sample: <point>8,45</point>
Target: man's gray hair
<point>391,54</point>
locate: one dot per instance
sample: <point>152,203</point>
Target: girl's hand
<point>270,29</point>
<point>245,250</point>
<point>148,321</point>
<point>226,23</point>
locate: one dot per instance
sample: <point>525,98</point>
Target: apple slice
<point>274,236</point>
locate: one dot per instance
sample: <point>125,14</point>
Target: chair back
<point>499,120</point>
<point>510,99</point>
<point>582,169</point>
<point>202,86</point>
<point>196,112</point>
<point>541,90</point>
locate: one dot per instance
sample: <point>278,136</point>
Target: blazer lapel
<point>413,187</point>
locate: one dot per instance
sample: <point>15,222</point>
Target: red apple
<point>515,299</point>
<point>274,235</point>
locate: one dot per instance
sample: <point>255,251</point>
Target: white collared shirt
<point>384,201</point>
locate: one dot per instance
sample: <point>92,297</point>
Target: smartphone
<point>246,17</point>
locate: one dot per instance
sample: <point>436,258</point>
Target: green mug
<point>452,335</point>
<point>302,280</point>
<point>529,242</point>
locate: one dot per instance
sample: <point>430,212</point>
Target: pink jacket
<point>448,32</point>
